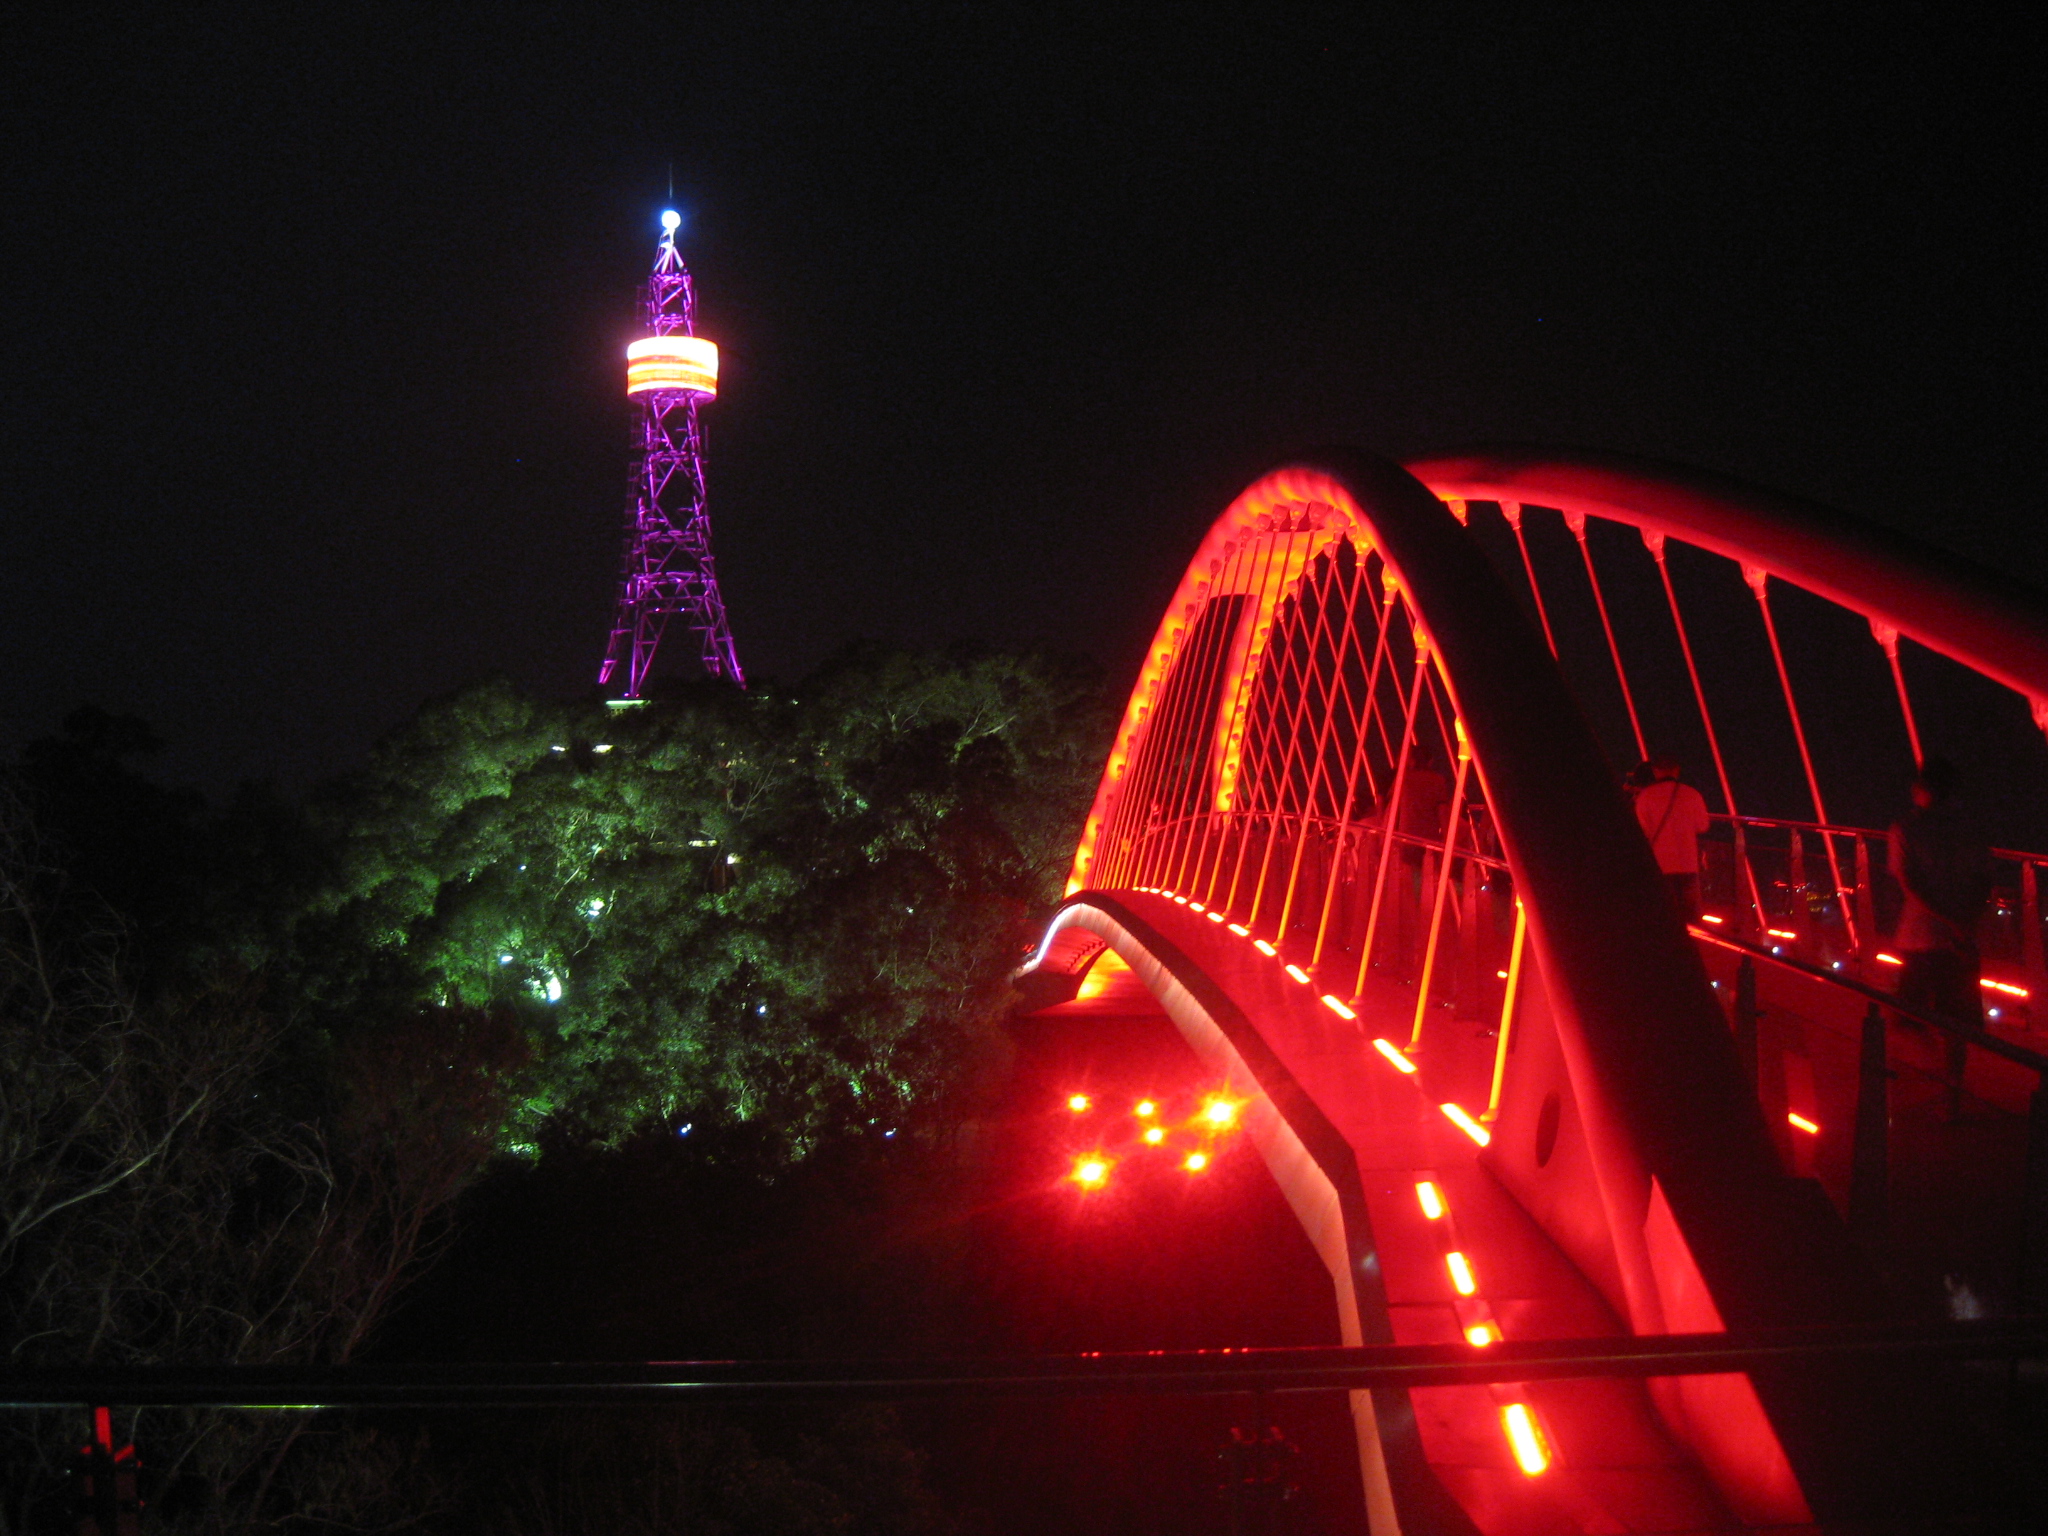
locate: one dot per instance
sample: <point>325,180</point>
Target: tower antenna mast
<point>667,570</point>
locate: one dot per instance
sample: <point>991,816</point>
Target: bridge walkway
<point>1614,1467</point>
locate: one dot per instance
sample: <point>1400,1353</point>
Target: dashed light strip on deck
<point>1466,1123</point>
<point>1461,1273</point>
<point>1392,1052</point>
<point>1531,1454</point>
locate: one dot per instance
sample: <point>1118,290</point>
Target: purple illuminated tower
<point>668,570</point>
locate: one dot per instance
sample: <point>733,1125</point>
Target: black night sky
<point>313,403</point>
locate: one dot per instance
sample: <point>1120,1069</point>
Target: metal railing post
<point>1869,1156</point>
<point>1746,1016</point>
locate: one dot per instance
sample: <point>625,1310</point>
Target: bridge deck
<point>1615,1469</point>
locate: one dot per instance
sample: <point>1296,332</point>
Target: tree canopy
<point>792,910</point>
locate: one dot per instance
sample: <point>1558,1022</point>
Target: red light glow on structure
<point>1337,1007</point>
<point>1154,1135</point>
<point>1799,1122</point>
<point>1482,1334</point>
<point>1432,1200</point>
<point>1080,1103</point>
<point>1195,1162</point>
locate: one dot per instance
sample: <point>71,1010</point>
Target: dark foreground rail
<point>1193,1371</point>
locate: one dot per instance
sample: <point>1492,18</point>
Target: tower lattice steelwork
<point>667,569</point>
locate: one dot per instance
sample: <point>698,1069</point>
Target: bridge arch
<point>1248,854</point>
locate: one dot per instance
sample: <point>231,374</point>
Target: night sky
<point>313,402</point>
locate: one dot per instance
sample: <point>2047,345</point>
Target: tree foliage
<point>790,909</point>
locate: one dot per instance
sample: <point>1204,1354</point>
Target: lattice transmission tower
<point>667,570</point>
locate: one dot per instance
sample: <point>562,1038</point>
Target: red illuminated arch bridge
<point>1361,837</point>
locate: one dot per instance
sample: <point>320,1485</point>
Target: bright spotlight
<point>1078,1103</point>
<point>1195,1162</point>
<point>1091,1172</point>
<point>1154,1135</point>
<point>671,220</point>
<point>1220,1113</point>
<point>1146,1108</point>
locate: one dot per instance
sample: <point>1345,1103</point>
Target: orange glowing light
<point>1781,933</point>
<point>1196,906</point>
<point>1885,959</point>
<point>1220,1112</point>
<point>1392,1052</point>
<point>1461,1273</point>
<point>1337,1008</point>
<point>2002,986</point>
<point>1503,975</point>
<point>1144,1108</point>
<point>688,364</point>
<point>1708,917</point>
<point>1154,1135</point>
<point>1181,900</point>
<point>1298,974</point>
<point>1264,948</point>
<point>1195,1162</point>
<point>1801,1123</point>
<point>1214,917</point>
<point>1466,1123</point>
<point>1240,930</point>
<point>1091,1172</point>
<point>1432,1200</point>
<point>1531,1454</point>
<point>1079,1103</point>
<point>1482,1334</point>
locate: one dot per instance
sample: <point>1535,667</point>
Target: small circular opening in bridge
<point>1546,1127</point>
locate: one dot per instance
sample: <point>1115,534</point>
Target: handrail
<point>1410,839</point>
<point>1875,834</point>
<point>1981,1038</point>
<point>1295,1369</point>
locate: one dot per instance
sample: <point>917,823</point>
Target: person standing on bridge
<point>1944,874</point>
<point>1673,817</point>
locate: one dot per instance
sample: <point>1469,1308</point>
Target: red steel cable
<point>1888,637</point>
<point>1576,521</point>
<point>1360,762</point>
<point>1655,541</point>
<point>1512,511</point>
<point>1758,580</point>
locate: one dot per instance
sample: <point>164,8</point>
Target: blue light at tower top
<point>671,221</point>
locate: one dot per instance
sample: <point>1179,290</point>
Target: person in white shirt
<point>1673,816</point>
